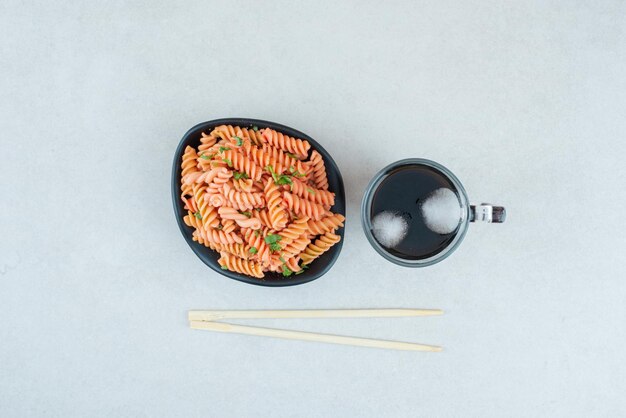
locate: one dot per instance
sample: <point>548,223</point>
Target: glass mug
<point>409,212</point>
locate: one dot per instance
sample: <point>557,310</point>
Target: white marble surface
<point>524,101</point>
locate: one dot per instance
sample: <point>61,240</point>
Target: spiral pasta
<point>215,199</point>
<point>320,246</point>
<point>229,133</point>
<point>205,212</point>
<point>273,198</point>
<point>292,264</point>
<point>297,246</point>
<point>293,231</point>
<point>240,162</point>
<point>323,197</point>
<point>255,197</point>
<point>242,220</point>
<point>217,176</point>
<point>210,235</point>
<point>280,161</point>
<point>319,171</point>
<point>228,225</point>
<point>329,223</point>
<point>207,154</point>
<point>243,200</point>
<point>219,236</point>
<point>245,185</point>
<point>188,167</point>
<point>302,206</point>
<point>206,142</point>
<point>286,143</point>
<point>257,242</point>
<point>240,265</point>
<point>239,250</point>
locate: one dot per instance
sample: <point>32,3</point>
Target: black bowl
<point>335,184</point>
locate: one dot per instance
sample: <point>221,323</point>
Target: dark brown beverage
<point>402,192</point>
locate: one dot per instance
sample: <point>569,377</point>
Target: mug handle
<point>486,212</point>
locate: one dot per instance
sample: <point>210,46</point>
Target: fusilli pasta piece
<point>239,265</point>
<point>297,245</point>
<point>215,199</point>
<point>293,231</point>
<point>320,246</point>
<point>240,162</point>
<point>243,200</point>
<point>243,220</point>
<point>323,197</point>
<point>221,237</point>
<point>229,132</point>
<point>244,185</point>
<point>273,199</point>
<point>240,250</point>
<point>228,225</point>
<point>279,160</point>
<point>264,216</point>
<point>206,213</point>
<point>206,142</point>
<point>295,146</point>
<point>327,224</point>
<point>303,207</point>
<point>256,242</point>
<point>188,167</point>
<point>319,171</point>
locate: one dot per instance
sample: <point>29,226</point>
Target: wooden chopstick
<point>310,336</point>
<point>207,320</point>
<point>197,315</point>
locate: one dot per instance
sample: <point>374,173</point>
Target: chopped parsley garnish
<point>224,268</point>
<point>228,161</point>
<point>239,141</point>
<point>282,259</point>
<point>238,175</point>
<point>253,250</point>
<point>222,149</point>
<point>294,156</point>
<point>272,238</point>
<point>198,215</point>
<point>207,157</point>
<point>302,268</point>
<point>308,189</point>
<point>295,172</point>
<point>272,172</point>
<point>255,128</point>
<point>286,271</point>
<point>247,213</point>
<point>257,233</point>
<point>275,246</point>
<point>284,180</point>
<point>278,179</point>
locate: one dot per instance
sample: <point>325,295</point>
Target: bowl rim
<point>200,250</point>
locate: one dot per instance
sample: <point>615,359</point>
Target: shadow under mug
<point>469,213</point>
